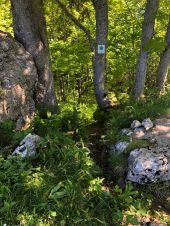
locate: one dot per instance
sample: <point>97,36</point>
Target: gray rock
<point>27,146</point>
<point>121,146</point>
<point>135,124</point>
<point>127,132</point>
<point>18,79</point>
<point>139,133</point>
<point>146,166</point>
<point>147,124</point>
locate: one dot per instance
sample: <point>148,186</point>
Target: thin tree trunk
<point>99,59</point>
<point>30,30</point>
<point>147,35</point>
<point>164,62</point>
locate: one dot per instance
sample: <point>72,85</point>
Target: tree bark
<point>147,35</point>
<point>164,62</point>
<point>99,59</point>
<point>30,30</point>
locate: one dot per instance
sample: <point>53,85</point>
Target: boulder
<point>27,146</point>
<point>149,165</point>
<point>18,79</point>
<point>147,124</point>
<point>135,124</point>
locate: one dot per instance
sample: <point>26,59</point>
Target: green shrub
<point>6,132</point>
<point>10,137</point>
<point>124,114</point>
<point>62,185</point>
<point>71,122</point>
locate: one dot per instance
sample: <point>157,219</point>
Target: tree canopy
<point>71,54</point>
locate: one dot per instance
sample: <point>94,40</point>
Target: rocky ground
<point>147,166</point>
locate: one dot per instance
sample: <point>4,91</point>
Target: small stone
<point>127,132</point>
<point>152,141</point>
<point>147,124</point>
<point>121,146</point>
<point>135,124</point>
<point>27,146</point>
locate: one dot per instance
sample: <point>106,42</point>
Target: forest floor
<point>75,181</point>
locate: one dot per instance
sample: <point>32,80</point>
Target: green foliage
<point>5,15</point>
<point>6,131</point>
<point>71,121</point>
<point>137,144</point>
<point>159,191</point>
<point>156,45</point>
<point>71,55</point>
<point>9,137</point>
<point>60,187</point>
<point>124,114</point>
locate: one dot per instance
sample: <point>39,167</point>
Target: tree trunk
<point>99,59</point>
<point>147,35</point>
<point>164,62</point>
<point>30,30</point>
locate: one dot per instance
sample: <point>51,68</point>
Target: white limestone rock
<point>147,124</point>
<point>135,124</point>
<point>121,146</point>
<point>27,146</point>
<point>146,166</point>
<point>127,132</point>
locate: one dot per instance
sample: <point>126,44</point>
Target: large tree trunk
<point>99,59</point>
<point>30,30</point>
<point>164,62</point>
<point>147,35</point>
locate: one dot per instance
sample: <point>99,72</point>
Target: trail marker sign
<point>101,49</point>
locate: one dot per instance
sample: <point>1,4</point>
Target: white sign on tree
<point>101,49</point>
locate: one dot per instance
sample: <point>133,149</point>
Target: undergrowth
<point>124,114</point>
<point>121,117</point>
<point>62,185</point>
